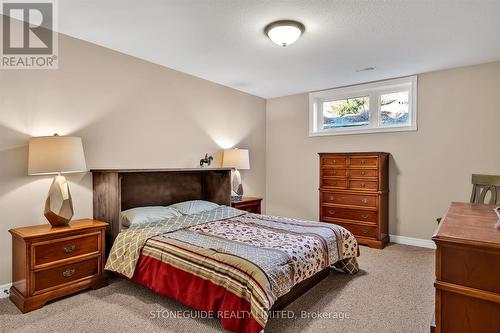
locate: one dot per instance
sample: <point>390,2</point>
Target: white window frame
<point>373,90</point>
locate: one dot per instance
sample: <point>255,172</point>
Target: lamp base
<point>59,206</point>
<point>236,182</point>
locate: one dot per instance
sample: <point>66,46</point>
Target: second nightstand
<point>250,204</point>
<point>49,263</point>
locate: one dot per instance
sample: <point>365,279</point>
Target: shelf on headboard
<point>160,170</point>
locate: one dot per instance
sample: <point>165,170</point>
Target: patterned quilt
<point>257,258</point>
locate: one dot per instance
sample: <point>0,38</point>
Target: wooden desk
<point>468,270</point>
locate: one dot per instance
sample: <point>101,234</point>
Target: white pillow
<point>194,207</point>
<point>142,215</point>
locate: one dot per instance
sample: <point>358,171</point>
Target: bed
<point>235,265</point>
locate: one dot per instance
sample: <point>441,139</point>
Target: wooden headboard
<point>118,190</point>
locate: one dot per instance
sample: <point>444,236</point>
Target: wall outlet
<point>5,290</point>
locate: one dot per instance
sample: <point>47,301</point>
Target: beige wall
<point>130,114</point>
<point>134,114</point>
<point>458,134</point>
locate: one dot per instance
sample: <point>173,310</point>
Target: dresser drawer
<point>350,214</point>
<point>462,313</point>
<point>51,251</point>
<point>56,276</point>
<point>470,267</point>
<point>334,182</point>
<point>360,230</point>
<point>363,200</point>
<point>330,172</point>
<point>364,185</point>
<point>334,161</point>
<point>364,162</point>
<point>362,173</point>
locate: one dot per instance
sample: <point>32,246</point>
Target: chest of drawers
<point>354,191</point>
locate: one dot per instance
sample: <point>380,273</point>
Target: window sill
<point>364,131</point>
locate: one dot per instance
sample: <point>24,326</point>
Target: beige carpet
<point>392,293</point>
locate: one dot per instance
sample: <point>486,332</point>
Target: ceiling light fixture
<point>284,32</point>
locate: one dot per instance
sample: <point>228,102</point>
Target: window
<point>384,106</point>
<point>346,112</point>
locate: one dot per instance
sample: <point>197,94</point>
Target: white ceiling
<point>223,40</point>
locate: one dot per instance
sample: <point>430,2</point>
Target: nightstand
<point>250,204</point>
<point>48,263</point>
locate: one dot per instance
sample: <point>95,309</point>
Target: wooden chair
<point>481,185</point>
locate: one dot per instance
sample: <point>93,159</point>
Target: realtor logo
<point>28,37</point>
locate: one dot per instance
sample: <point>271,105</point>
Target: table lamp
<point>57,155</point>
<point>237,159</point>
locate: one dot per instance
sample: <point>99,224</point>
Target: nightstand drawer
<point>60,275</point>
<point>250,208</point>
<point>54,250</point>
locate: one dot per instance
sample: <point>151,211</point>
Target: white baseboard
<point>412,241</point>
<point>4,290</point>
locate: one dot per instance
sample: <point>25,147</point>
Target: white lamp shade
<point>236,158</point>
<point>54,154</point>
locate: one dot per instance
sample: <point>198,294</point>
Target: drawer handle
<point>364,231</point>
<point>69,272</point>
<point>332,197</point>
<point>363,185</point>
<point>363,173</point>
<point>365,201</point>
<point>331,212</point>
<point>365,216</point>
<point>334,161</point>
<point>363,161</point>
<point>69,248</point>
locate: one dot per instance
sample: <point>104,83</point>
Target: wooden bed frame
<point>120,189</point>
